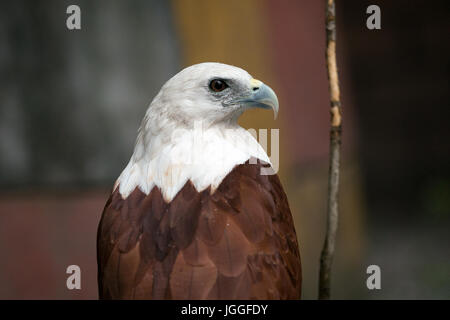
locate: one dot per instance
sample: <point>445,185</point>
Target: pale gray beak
<point>262,96</point>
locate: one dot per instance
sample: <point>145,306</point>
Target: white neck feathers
<point>167,157</point>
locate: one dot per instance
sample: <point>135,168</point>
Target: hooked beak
<point>262,96</point>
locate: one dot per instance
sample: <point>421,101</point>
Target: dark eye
<point>218,85</point>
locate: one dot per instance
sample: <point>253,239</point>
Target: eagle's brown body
<point>236,243</point>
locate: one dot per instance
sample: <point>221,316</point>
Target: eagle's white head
<point>211,93</point>
<point>190,130</point>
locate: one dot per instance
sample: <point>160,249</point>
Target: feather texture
<point>235,242</point>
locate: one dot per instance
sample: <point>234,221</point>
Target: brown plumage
<point>237,243</point>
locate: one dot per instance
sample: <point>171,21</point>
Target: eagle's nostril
<point>255,88</point>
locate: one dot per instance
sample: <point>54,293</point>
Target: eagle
<point>198,212</point>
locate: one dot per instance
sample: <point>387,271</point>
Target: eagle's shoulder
<point>235,242</point>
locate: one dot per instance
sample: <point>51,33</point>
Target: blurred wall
<point>400,78</point>
<point>71,102</point>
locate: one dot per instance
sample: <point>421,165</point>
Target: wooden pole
<point>326,258</point>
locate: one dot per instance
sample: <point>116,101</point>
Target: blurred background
<point>71,103</point>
